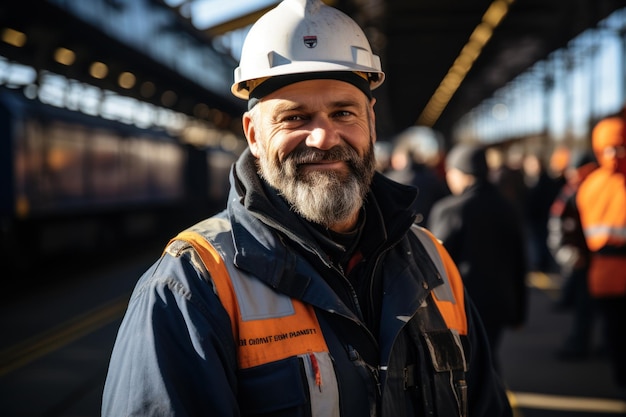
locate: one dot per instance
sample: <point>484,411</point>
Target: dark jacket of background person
<point>429,186</point>
<point>482,232</point>
<point>542,189</point>
<point>601,202</point>
<point>566,239</point>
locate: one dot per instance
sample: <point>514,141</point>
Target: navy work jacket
<point>175,354</point>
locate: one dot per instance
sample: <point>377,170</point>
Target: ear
<point>250,131</point>
<point>372,119</point>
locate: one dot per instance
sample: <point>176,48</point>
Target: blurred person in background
<point>541,190</point>
<point>601,202</point>
<point>567,243</point>
<point>505,171</point>
<point>559,164</point>
<point>382,152</point>
<point>414,162</point>
<point>483,233</point>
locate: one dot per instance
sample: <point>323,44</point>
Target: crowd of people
<point>326,287</point>
<point>509,214</point>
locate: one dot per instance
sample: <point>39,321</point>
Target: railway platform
<point>57,337</point>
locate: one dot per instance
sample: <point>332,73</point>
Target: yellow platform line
<point>565,403</point>
<point>542,281</point>
<point>34,348</point>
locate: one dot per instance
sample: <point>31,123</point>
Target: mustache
<point>309,156</point>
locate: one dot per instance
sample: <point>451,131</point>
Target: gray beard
<point>322,197</point>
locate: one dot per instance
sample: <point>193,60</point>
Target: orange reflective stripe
<point>214,263</point>
<point>265,339</point>
<point>269,339</point>
<point>453,311</point>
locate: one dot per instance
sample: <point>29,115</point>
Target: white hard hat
<point>300,37</point>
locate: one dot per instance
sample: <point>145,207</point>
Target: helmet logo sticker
<point>310,41</point>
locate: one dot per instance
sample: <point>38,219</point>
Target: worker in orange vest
<point>601,202</point>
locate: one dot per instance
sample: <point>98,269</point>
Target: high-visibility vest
<point>294,328</point>
<point>269,326</point>
<point>601,201</point>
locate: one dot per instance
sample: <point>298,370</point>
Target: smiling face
<point>314,141</point>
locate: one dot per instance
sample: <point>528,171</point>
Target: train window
<point>28,147</point>
<point>135,156</point>
<point>219,163</point>
<point>154,168</point>
<point>64,174</point>
<point>167,169</point>
<point>50,168</point>
<point>106,174</point>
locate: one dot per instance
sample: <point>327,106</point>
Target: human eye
<point>346,109</point>
<point>292,118</point>
<point>344,114</point>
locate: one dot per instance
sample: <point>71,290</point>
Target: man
<point>311,294</point>
<point>601,202</point>
<point>482,232</point>
<point>567,242</point>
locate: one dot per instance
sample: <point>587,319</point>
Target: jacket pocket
<point>277,389</point>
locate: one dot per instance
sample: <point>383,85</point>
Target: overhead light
<point>64,56</point>
<point>168,98</point>
<point>13,37</point>
<point>127,80</point>
<point>201,110</point>
<point>147,89</point>
<point>496,12</point>
<point>98,70</point>
<point>481,34</point>
<point>464,62</point>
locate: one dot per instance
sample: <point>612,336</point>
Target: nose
<point>323,135</point>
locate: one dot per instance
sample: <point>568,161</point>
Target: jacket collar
<point>257,213</point>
